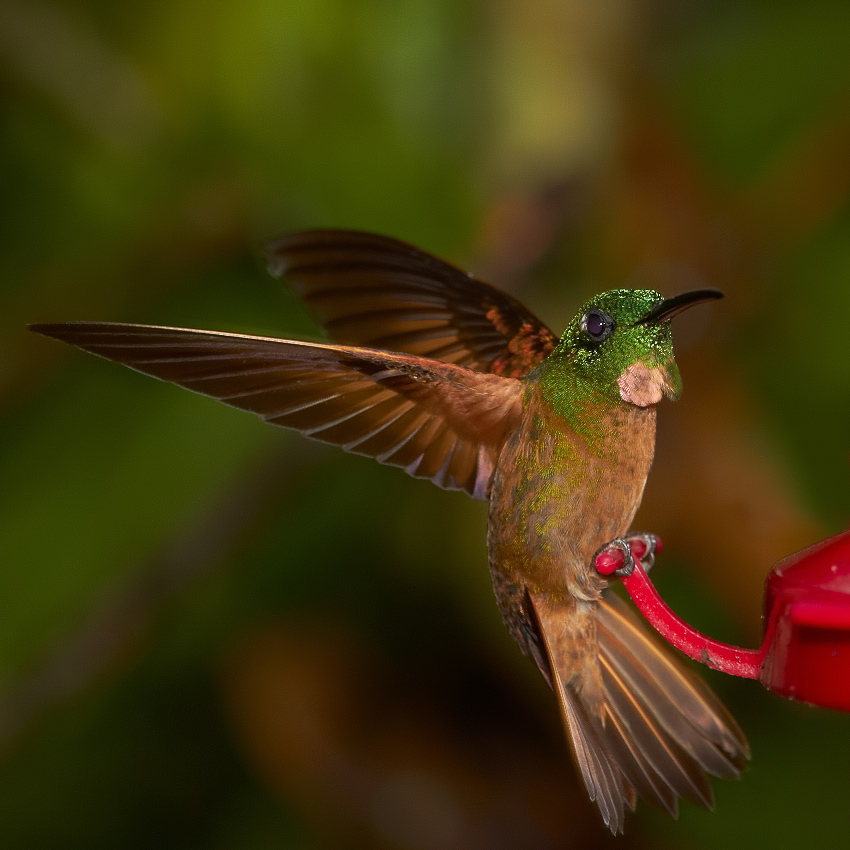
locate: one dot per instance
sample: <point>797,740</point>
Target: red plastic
<point>805,654</point>
<point>713,653</point>
<point>609,562</point>
<point>807,632</point>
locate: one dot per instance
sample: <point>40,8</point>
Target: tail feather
<point>683,702</point>
<point>638,770</point>
<point>668,764</point>
<point>638,722</point>
<point>605,783</point>
<point>619,674</point>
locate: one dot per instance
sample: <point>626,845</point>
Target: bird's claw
<point>617,558</point>
<point>650,543</point>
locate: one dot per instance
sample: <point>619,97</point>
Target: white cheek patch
<point>641,385</point>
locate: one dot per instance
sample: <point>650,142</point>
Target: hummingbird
<point>445,376</point>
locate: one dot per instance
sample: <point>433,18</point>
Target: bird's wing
<point>638,722</point>
<point>379,292</point>
<point>434,419</point>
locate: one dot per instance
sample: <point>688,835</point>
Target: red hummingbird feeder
<point>805,654</point>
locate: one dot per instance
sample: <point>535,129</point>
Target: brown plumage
<point>454,381</point>
<point>378,292</point>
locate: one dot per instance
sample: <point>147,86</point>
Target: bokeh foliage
<point>215,634</point>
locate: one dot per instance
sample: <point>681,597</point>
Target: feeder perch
<point>805,654</point>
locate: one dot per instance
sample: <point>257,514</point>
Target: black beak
<point>664,310</point>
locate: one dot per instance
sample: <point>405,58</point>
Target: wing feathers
<point>379,292</point>
<point>435,419</point>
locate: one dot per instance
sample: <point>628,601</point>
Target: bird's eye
<point>599,325</point>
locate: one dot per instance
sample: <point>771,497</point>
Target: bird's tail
<point>638,721</point>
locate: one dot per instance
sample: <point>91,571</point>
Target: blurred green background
<point>217,634</point>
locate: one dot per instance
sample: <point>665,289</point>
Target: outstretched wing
<point>435,420</point>
<point>379,292</point>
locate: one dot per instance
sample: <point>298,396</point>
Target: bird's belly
<point>555,501</point>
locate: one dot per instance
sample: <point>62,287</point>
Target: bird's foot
<point>617,557</point>
<point>644,547</point>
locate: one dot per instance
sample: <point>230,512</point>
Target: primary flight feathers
<point>436,420</point>
<point>425,413</point>
<point>379,292</point>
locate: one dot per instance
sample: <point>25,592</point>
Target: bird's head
<point>620,344</point>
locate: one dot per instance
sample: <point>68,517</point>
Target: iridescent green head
<point>620,345</point>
